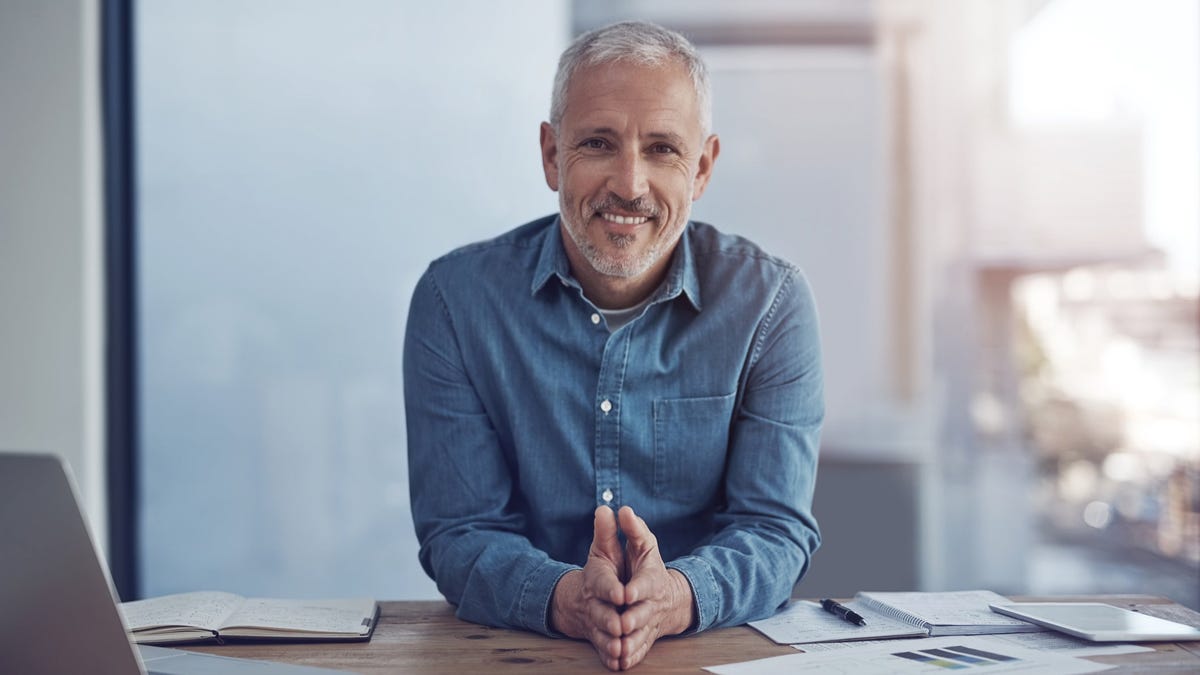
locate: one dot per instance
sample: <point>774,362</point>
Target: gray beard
<point>609,265</point>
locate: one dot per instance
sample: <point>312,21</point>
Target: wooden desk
<point>425,637</point>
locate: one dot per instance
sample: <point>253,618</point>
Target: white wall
<point>50,238</point>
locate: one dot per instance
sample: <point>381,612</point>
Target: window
<point>300,163</point>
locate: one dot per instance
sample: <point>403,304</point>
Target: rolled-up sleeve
<point>765,532</point>
<point>472,542</point>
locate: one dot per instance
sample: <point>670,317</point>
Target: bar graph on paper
<point>956,657</point>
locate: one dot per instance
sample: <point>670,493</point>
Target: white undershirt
<point>615,318</point>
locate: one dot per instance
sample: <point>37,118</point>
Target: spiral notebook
<point>947,613</point>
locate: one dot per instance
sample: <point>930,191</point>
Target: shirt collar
<point>681,275</point>
<point>552,261</point>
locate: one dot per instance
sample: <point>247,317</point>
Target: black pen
<point>843,612</point>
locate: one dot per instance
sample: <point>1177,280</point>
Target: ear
<point>712,148</point>
<point>550,155</point>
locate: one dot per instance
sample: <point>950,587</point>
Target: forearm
<point>564,615</point>
<point>765,535</point>
<point>744,573</point>
<point>683,605</point>
<point>472,542</point>
<point>495,578</point>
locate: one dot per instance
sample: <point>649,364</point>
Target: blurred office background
<point>997,203</point>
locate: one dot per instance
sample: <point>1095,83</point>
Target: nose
<point>628,178</point>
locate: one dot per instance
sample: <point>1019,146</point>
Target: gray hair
<point>641,42</point>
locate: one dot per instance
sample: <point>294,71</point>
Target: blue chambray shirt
<point>524,413</point>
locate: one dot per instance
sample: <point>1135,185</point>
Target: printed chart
<point>956,657</point>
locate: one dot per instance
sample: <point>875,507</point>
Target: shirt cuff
<point>704,589</point>
<point>536,593</point>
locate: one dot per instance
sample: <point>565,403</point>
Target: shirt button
<point>607,495</point>
<point>606,406</point>
<point>596,319</point>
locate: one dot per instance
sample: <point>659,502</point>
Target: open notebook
<point>213,615</point>
<point>946,613</point>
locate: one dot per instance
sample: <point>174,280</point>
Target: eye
<point>594,144</point>
<point>662,149</point>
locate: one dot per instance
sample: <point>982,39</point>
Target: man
<point>616,355</point>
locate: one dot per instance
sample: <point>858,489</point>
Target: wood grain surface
<point>425,637</point>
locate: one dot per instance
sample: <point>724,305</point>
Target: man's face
<point>627,161</point>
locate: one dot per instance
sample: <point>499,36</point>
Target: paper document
<point>1048,641</point>
<point>805,621</point>
<point>1068,644</point>
<point>925,655</point>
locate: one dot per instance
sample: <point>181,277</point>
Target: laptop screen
<point>57,610</point>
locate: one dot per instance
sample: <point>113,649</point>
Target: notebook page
<point>953,608</point>
<point>203,609</point>
<point>315,616</point>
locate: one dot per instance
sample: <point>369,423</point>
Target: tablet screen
<point>1097,621</point>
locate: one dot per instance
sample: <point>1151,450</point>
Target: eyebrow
<point>668,136</point>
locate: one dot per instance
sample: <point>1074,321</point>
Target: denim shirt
<point>524,413</point>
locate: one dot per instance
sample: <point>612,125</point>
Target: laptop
<point>58,612</point>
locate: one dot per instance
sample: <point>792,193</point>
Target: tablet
<point>1099,622</point>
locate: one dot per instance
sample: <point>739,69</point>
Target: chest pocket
<point>691,438</point>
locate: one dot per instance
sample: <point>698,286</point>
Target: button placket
<point>609,384</point>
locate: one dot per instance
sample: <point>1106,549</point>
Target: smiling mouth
<point>623,220</point>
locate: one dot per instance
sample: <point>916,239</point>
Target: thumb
<point>604,537</point>
<point>639,539</point>
<point>641,552</point>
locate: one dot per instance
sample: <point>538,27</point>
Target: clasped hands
<point>622,601</point>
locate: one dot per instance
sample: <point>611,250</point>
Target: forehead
<point>620,93</point>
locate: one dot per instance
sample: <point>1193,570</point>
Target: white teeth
<point>624,220</point>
